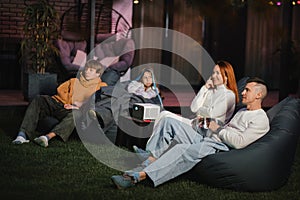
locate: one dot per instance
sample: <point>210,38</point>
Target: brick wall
<point>11,32</point>
<point>11,15</point>
<point>11,25</point>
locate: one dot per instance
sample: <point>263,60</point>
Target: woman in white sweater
<point>216,99</point>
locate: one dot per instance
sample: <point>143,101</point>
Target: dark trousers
<point>110,77</point>
<point>44,106</point>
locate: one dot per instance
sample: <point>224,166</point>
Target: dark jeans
<point>44,106</point>
<point>111,77</point>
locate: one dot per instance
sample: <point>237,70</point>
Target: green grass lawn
<point>69,171</point>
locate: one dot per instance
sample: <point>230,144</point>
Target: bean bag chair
<point>263,165</point>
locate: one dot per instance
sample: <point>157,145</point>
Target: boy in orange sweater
<point>70,95</point>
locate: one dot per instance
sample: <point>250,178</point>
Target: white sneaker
<point>20,140</point>
<point>42,141</point>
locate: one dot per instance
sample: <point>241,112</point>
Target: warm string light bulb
<point>279,3</point>
<point>135,1</point>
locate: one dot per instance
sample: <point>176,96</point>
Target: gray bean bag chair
<point>262,166</point>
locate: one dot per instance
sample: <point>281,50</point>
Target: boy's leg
<point>66,126</point>
<point>38,108</point>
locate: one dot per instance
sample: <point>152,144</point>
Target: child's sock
<point>48,138</point>
<point>22,134</point>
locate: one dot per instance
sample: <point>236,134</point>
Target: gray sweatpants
<point>189,149</point>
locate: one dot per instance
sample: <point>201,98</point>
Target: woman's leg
<point>170,130</point>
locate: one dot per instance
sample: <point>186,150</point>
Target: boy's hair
<point>95,65</point>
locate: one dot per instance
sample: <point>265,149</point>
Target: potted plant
<point>38,51</point>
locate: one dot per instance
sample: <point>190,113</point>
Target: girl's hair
<point>95,65</point>
<point>143,73</point>
<point>227,71</point>
<point>154,83</point>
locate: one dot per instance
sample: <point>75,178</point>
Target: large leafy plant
<point>41,28</point>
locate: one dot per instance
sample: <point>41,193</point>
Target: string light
<point>279,3</point>
<point>135,1</point>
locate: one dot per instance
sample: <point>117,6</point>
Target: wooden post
<point>285,57</point>
<point>92,5</point>
<point>166,56</point>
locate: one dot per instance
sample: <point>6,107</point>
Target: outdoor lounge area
<point>72,173</point>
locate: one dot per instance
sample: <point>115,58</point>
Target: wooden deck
<point>15,98</point>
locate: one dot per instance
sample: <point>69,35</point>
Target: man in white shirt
<point>247,125</point>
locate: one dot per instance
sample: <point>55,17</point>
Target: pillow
<point>107,61</point>
<point>80,58</point>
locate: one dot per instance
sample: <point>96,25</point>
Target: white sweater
<point>216,103</point>
<point>244,128</point>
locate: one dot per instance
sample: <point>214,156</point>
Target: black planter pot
<point>39,84</point>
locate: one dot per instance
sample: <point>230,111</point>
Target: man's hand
<point>197,122</point>
<point>213,126</point>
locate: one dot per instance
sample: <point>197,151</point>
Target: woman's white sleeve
<point>223,103</point>
<point>199,99</point>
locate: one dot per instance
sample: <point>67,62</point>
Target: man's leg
<point>180,159</point>
<point>174,162</point>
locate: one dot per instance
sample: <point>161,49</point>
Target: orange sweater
<point>77,90</point>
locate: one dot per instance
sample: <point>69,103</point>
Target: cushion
<point>107,61</point>
<point>80,58</point>
<point>263,165</point>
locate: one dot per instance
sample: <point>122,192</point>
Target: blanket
<point>112,101</point>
